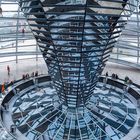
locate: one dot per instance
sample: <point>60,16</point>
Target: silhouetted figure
<point>130,82</point>
<point>113,76</point>
<point>33,74</point>
<point>27,76</point>
<point>106,74</point>
<point>126,79</point>
<point>12,82</point>
<point>116,76</point>
<point>23,77</point>
<point>8,70</point>
<point>23,31</point>
<point>1,12</point>
<point>36,73</point>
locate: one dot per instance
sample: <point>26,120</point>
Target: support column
<point>17,33</point>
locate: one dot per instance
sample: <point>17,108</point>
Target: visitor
<point>27,76</point>
<point>23,32</point>
<point>126,79</point>
<point>8,70</point>
<point>130,82</point>
<point>113,76</point>
<point>116,76</point>
<point>106,74</point>
<point>11,83</point>
<point>1,12</point>
<point>32,75</point>
<point>36,73</point>
<point>23,77</point>
<point>3,88</point>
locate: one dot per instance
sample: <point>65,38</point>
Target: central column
<point>75,37</point>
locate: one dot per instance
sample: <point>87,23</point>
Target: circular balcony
<point>36,112</point>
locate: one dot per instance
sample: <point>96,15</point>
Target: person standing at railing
<point>106,74</point>
<point>3,88</point>
<point>36,73</point>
